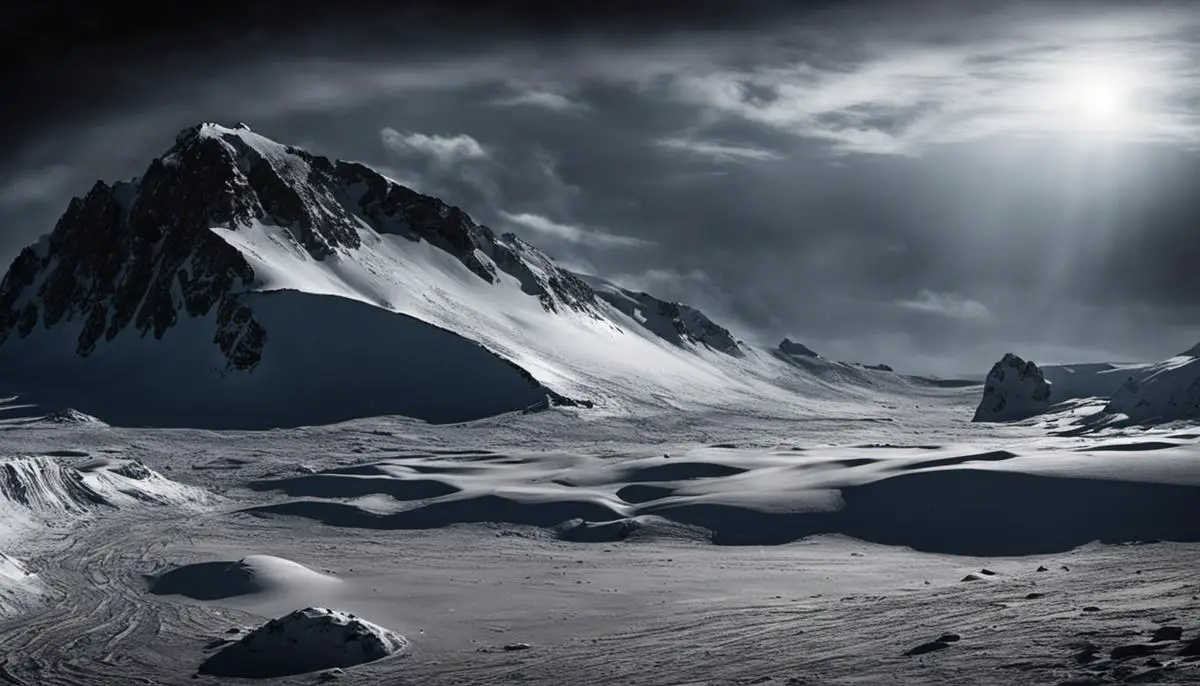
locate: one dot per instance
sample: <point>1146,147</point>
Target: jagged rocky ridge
<point>139,255</point>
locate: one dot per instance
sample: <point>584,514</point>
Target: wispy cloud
<point>946,305</point>
<point>443,150</point>
<point>1131,81</point>
<point>542,98</point>
<point>572,233</point>
<point>721,152</point>
<point>34,186</point>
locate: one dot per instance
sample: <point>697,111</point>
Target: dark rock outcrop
<point>792,348</point>
<point>1014,389</point>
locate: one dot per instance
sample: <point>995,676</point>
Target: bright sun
<point>1100,100</point>
<point>1101,103</point>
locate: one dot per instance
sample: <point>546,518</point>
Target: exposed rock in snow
<point>69,416</point>
<point>1014,389</point>
<point>306,640</point>
<point>790,347</point>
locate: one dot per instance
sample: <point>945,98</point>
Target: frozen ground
<point>898,545</point>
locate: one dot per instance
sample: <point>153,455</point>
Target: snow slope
<point>20,589</point>
<point>1164,392</point>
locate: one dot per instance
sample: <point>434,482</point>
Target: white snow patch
<point>20,589</point>
<point>251,575</point>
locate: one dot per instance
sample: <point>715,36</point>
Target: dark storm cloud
<point>888,182</point>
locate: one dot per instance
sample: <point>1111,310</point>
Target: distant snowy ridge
<point>1167,391</point>
<point>1147,393</point>
<point>242,283</point>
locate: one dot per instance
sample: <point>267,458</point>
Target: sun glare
<point>1099,102</point>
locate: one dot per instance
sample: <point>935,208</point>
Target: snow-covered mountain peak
<point>237,271</point>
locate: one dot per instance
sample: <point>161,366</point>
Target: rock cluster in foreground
<point>307,640</point>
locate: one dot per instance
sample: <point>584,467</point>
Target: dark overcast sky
<point>927,184</point>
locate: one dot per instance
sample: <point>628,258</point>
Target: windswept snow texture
<point>533,548</point>
<point>20,589</point>
<point>955,499</point>
<point>306,640</point>
<point>40,491</point>
<point>241,283</point>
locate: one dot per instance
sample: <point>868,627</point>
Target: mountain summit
<point>240,282</point>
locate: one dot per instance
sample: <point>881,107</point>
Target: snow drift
<point>251,575</point>
<point>952,499</point>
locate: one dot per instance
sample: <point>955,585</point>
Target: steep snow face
<point>1014,389</point>
<point>1167,391</point>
